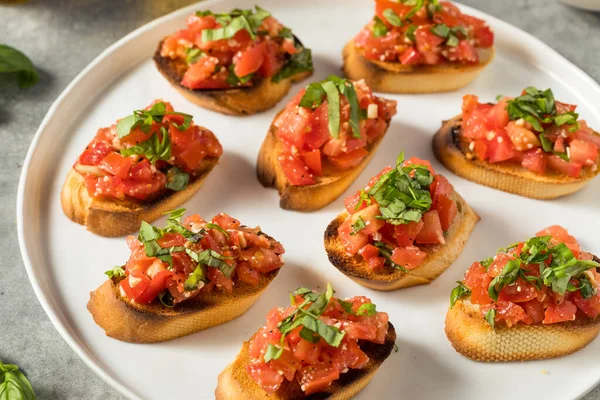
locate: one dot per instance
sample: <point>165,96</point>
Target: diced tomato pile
<point>492,136</point>
<point>408,241</point>
<point>425,38</point>
<point>264,55</point>
<point>250,252</point>
<point>308,146</point>
<point>522,301</point>
<point>109,174</point>
<point>314,365</point>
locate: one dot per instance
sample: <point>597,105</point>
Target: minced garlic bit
<point>372,111</point>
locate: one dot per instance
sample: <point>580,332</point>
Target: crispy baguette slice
<point>439,256</point>
<point>329,187</point>
<point>393,77</point>
<point>239,101</point>
<point>114,218</point>
<point>511,178</point>
<point>151,323</point>
<point>235,383</point>
<point>474,338</point>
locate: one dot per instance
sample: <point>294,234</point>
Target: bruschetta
<point>189,276</point>
<point>318,347</point>
<point>403,229</point>
<point>144,165</point>
<point>318,145</point>
<point>535,299</point>
<point>419,47</point>
<point>530,145</point>
<point>237,63</point>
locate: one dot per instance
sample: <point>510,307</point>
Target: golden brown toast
<point>393,77</point>
<point>239,101</point>
<point>111,218</point>
<point>329,186</point>
<point>472,336</point>
<point>512,178</point>
<point>125,320</point>
<point>235,383</point>
<point>439,256</point>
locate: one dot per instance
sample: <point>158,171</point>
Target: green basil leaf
<point>154,149</point>
<point>333,107</point>
<point>116,272</point>
<point>586,288</point>
<point>330,334</point>
<point>508,276</point>
<point>177,179</point>
<point>452,41</point>
<point>193,54</point>
<point>166,298</point>
<point>273,353</point>
<point>386,252</point>
<point>228,31</point>
<point>458,292</point>
<point>347,306</point>
<point>490,317</point>
<point>212,259</point>
<point>410,33</point>
<point>302,290</point>
<point>193,281</point>
<point>309,335</point>
<point>358,226</point>
<point>299,62</point>
<point>347,89</point>
<point>418,4</point>
<point>125,125</point>
<point>379,28</point>
<point>392,17</point>
<point>14,62</point>
<point>441,30</point>
<point>147,232</point>
<point>210,225</point>
<point>13,384</point>
<point>367,309</point>
<point>313,97</point>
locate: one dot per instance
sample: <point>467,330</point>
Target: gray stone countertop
<point>61,37</point>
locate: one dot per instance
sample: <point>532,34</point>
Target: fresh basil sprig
<point>330,90</point>
<point>12,61</point>
<point>402,193</point>
<point>233,22</point>
<point>13,384</point>
<point>154,149</point>
<point>116,272</point>
<point>458,292</point>
<point>509,275</point>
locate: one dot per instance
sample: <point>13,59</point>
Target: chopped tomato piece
<point>352,243</point>
<point>447,210</point>
<point>199,72</point>
<point>349,160</point>
<point>432,232</point>
<point>317,377</point>
<point>535,310</point>
<point>582,152</point>
<point>312,160</point>
<point>295,170</point>
<point>591,306</point>
<point>571,168</point>
<point>269,379</point>
<point>406,233</point>
<point>534,161</point>
<point>409,257</point>
<point>478,281</point>
<point>250,60</point>
<point>564,311</point>
<point>519,292</point>
<point>510,313</point>
<point>410,56</point>
<point>157,285</point>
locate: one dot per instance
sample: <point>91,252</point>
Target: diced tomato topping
<point>534,161</point>
<point>312,160</point>
<point>349,160</point>
<point>583,152</point>
<point>268,378</point>
<point>354,242</point>
<point>199,72</point>
<point>410,56</point>
<point>478,281</point>
<point>590,306</point>
<point>295,170</point>
<point>432,232</point>
<point>447,210</point>
<point>564,311</point>
<point>509,312</point>
<point>317,377</point>
<point>406,233</point>
<point>535,310</point>
<point>250,60</point>
<point>409,257</point>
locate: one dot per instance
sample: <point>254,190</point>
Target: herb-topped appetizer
<point>145,164</point>
<point>530,145</point>
<point>321,141</point>
<point>403,229</point>
<point>419,47</point>
<point>241,62</point>
<point>319,346</point>
<point>187,277</point>
<point>535,299</point>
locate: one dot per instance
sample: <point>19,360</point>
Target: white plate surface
<point>65,262</point>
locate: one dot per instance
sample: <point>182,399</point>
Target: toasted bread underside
<point>393,77</point>
<point>239,101</point>
<point>235,383</point>
<point>150,323</point>
<point>508,177</point>
<point>112,218</point>
<point>439,256</point>
<point>473,337</point>
<point>329,186</point>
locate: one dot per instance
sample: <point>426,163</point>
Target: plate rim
<point>72,340</point>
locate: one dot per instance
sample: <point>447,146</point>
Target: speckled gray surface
<point>61,38</point>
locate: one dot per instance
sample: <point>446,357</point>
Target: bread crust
<point>127,321</point>
<point>329,186</point>
<point>112,218</point>
<point>239,101</point>
<point>393,77</point>
<point>473,337</point>
<point>508,177</point>
<point>439,256</point>
<point>234,382</point>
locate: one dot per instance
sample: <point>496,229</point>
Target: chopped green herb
<point>386,252</point>
<point>379,28</point>
<point>197,277</point>
<point>212,259</point>
<point>166,298</point>
<point>210,225</point>
<point>177,179</point>
<point>358,226</point>
<point>410,33</point>
<point>273,353</point>
<point>441,30</point>
<point>392,17</point>
<point>299,62</point>
<point>154,149</point>
<point>116,272</point>
<point>143,120</point>
<point>458,292</point>
<point>508,276</point>
<point>193,54</point>
<point>490,317</point>
<point>367,309</point>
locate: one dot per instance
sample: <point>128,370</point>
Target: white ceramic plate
<point>65,262</point>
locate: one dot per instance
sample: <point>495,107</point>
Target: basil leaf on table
<point>13,61</point>
<point>13,384</point>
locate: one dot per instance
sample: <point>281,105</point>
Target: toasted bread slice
<point>239,101</point>
<point>125,320</point>
<point>512,178</point>
<point>393,77</point>
<point>112,218</point>
<point>329,186</point>
<point>439,256</point>
<point>235,383</point>
<point>474,338</point>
